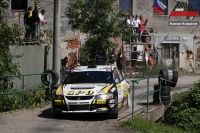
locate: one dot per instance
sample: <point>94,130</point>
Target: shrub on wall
<point>184,112</point>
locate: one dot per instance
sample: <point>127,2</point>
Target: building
<point>168,31</point>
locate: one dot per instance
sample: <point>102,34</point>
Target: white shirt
<point>41,17</point>
<point>128,21</point>
<point>135,22</point>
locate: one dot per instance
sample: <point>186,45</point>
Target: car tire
<point>165,93</point>
<point>164,74</point>
<point>166,88</point>
<point>114,113</point>
<point>165,98</point>
<point>165,102</point>
<point>55,77</point>
<point>175,78</point>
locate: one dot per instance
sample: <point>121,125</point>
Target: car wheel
<point>114,113</point>
<point>54,75</point>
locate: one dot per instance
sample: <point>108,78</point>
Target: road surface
<point>40,120</point>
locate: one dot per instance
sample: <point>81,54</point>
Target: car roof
<point>95,67</point>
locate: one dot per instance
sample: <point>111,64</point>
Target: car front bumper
<point>61,105</point>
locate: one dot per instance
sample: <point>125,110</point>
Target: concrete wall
<point>33,61</point>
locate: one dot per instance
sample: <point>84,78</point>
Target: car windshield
<point>89,77</point>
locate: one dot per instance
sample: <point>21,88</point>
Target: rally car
<point>92,89</point>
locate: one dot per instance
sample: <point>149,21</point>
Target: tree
<point>9,35</point>
<point>101,20</point>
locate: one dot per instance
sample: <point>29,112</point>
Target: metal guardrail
<point>147,93</point>
<point>23,85</point>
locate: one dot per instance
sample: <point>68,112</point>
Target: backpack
<point>30,14</point>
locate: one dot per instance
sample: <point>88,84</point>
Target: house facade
<point>169,31</point>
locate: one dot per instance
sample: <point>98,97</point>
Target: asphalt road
<point>40,120</point>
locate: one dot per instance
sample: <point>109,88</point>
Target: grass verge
<point>140,125</point>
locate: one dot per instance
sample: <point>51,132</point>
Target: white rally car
<point>92,89</point>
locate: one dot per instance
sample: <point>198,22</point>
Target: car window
<point>89,77</point>
<point>120,74</point>
<point>116,75</point>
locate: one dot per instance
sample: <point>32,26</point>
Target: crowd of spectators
<point>33,21</point>
<point>138,26</point>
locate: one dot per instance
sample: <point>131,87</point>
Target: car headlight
<point>59,91</point>
<point>104,96</point>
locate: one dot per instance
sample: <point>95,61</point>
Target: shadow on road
<point>74,116</point>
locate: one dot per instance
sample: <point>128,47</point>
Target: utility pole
<point>56,38</point>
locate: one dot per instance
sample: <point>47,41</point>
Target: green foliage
<point>141,125</point>
<point>101,20</point>
<point>184,112</point>
<point>32,99</point>
<point>3,5</point>
<point>9,35</point>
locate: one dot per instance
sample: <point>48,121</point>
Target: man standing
<point>134,56</point>
<point>36,21</point>
<point>41,16</point>
<point>42,23</point>
<point>28,22</point>
<point>135,24</point>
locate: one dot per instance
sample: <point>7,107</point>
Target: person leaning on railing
<point>141,28</point>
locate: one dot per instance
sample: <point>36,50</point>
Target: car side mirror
<point>116,81</point>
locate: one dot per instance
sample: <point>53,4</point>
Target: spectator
<point>120,58</point>
<point>145,55</point>
<point>64,63</point>
<point>141,27</point>
<point>36,21</point>
<point>41,16</point>
<point>134,57</point>
<point>42,23</point>
<point>28,22</point>
<point>135,24</point>
<point>127,21</point>
<point>111,55</point>
<point>150,60</point>
<point>144,36</point>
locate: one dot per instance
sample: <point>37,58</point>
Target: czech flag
<point>158,6</point>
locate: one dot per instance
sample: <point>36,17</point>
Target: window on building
<point>125,5</point>
<point>169,52</point>
<point>19,4</point>
<point>194,4</point>
<point>86,1</point>
<point>165,2</point>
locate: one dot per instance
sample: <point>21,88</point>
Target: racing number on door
<point>80,92</point>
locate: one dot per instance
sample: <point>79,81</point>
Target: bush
<point>14,101</point>
<point>184,112</point>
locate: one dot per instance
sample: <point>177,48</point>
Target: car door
<point>124,84</point>
<point>119,85</point>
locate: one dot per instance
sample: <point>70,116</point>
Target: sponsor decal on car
<point>88,92</point>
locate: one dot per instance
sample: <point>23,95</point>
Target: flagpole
<point>146,11</point>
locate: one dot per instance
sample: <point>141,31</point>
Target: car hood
<point>85,89</point>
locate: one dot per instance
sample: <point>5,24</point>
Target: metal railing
<point>23,90</point>
<point>147,92</point>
